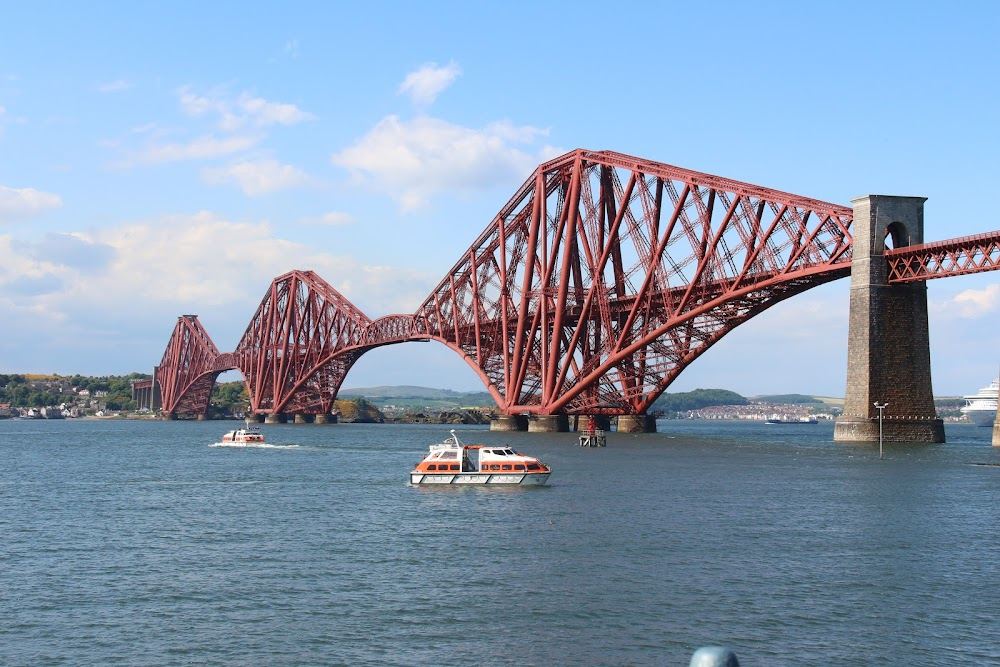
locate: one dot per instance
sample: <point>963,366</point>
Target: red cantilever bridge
<point>600,280</point>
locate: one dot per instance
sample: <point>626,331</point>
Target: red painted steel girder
<point>299,345</point>
<point>187,372</point>
<point>606,275</point>
<point>968,254</point>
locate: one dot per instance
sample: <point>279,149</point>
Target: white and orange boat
<point>248,435</point>
<point>452,462</point>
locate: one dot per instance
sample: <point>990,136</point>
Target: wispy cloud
<point>974,303</point>
<point>332,218</point>
<point>412,160</point>
<point>78,280</point>
<point>260,177</point>
<point>17,204</point>
<point>425,84</point>
<point>114,86</point>
<point>243,111</point>
<point>200,148</point>
<point>237,124</point>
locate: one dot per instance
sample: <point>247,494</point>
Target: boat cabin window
<point>533,466</point>
<point>519,467</point>
<point>449,455</point>
<point>505,466</point>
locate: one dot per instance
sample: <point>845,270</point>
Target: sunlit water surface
<point>141,543</point>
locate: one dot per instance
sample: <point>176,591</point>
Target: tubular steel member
<point>923,261</point>
<point>187,372</point>
<point>592,289</point>
<point>299,346</point>
<point>606,275</point>
<point>888,346</point>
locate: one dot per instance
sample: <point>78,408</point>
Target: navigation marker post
<point>880,408</point>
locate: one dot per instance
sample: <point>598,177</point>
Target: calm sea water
<point>138,543</point>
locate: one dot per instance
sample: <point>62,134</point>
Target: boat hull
<point>481,479</point>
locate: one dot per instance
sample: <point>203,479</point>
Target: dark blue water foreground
<point>127,543</point>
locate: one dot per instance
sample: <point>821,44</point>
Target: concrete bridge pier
<point>601,422</point>
<point>888,345</point>
<point>549,424</point>
<point>636,424</point>
<point>325,419</point>
<point>509,423</point>
<point>302,419</point>
<point>276,418</point>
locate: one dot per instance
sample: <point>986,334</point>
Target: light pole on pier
<point>880,408</point>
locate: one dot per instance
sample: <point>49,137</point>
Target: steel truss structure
<point>593,288</point>
<point>969,254</point>
<point>606,275</point>
<point>187,375</point>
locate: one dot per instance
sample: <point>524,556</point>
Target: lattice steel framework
<point>187,371</point>
<point>606,275</point>
<point>969,254</point>
<point>299,345</point>
<point>593,288</point>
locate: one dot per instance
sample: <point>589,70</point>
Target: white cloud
<point>241,112</point>
<point>426,83</point>
<point>152,271</point>
<point>22,203</point>
<point>259,177</point>
<point>206,260</point>
<point>332,218</point>
<point>239,124</point>
<point>414,159</point>
<point>974,303</point>
<point>263,113</point>
<point>114,86</point>
<point>200,148</point>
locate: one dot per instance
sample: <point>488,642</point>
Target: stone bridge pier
<point>888,345</point>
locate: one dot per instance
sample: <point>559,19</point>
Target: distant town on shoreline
<point>77,396</point>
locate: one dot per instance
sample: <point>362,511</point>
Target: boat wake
<point>253,445</point>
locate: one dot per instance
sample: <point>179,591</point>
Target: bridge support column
<point>325,419</point>
<point>169,416</point>
<point>302,419</point>
<point>888,345</point>
<point>636,424</point>
<point>276,418</point>
<point>549,424</point>
<point>602,422</point>
<point>509,423</point>
<point>201,416</point>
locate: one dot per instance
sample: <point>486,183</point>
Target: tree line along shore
<point>83,396</point>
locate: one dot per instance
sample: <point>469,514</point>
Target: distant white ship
<point>981,408</point>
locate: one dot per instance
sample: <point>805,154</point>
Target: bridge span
<point>601,279</point>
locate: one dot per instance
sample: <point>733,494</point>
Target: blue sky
<point>158,159</point>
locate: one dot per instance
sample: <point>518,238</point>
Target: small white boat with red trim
<point>452,462</point>
<point>248,435</point>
